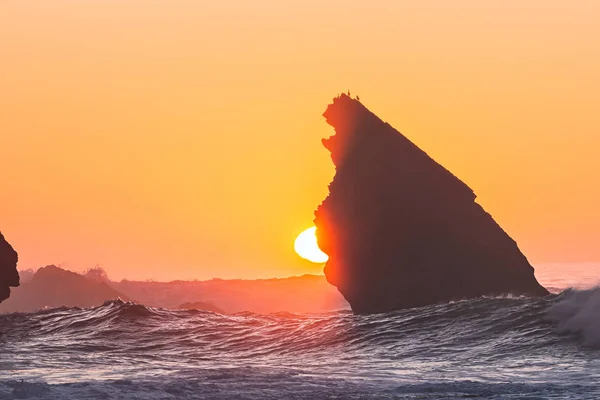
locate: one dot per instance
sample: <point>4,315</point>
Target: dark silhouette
<point>8,268</point>
<point>400,230</point>
<point>203,306</point>
<point>52,286</point>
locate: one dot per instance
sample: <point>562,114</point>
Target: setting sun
<point>306,246</point>
<point>434,159</point>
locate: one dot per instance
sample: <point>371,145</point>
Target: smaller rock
<point>8,268</point>
<point>52,286</point>
<point>199,305</point>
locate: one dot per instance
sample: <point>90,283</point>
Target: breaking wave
<point>487,347</point>
<point>578,311</point>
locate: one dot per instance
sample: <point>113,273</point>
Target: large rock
<point>8,268</point>
<point>400,230</point>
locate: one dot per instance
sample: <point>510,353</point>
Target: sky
<point>181,139</point>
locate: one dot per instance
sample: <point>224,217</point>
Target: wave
<point>224,385</point>
<point>487,347</point>
<point>516,322</point>
<point>578,311</point>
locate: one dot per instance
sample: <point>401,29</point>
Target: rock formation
<point>52,286</point>
<point>202,306</point>
<point>297,294</point>
<point>400,230</point>
<point>8,268</point>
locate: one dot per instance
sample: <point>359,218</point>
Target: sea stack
<point>8,268</point>
<point>400,230</point>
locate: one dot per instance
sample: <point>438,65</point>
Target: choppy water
<point>487,348</point>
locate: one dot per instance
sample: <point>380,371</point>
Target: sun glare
<point>306,246</point>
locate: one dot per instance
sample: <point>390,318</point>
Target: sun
<point>306,246</point>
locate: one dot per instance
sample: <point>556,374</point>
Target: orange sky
<point>181,139</point>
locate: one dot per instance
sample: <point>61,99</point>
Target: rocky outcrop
<point>202,306</point>
<point>400,230</point>
<point>296,294</point>
<point>52,286</point>
<point>8,268</point>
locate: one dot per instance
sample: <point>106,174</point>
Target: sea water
<point>485,348</point>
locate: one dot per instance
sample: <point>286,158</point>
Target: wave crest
<point>479,326</point>
<point>578,311</point>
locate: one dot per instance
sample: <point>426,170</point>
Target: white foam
<point>578,311</point>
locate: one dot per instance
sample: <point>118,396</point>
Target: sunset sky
<point>181,139</point>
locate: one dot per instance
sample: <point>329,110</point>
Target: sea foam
<point>578,311</point>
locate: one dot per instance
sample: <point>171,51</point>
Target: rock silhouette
<point>297,294</point>
<point>52,286</point>
<point>8,268</point>
<point>202,306</point>
<point>400,230</point>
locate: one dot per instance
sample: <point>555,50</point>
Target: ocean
<point>485,348</point>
